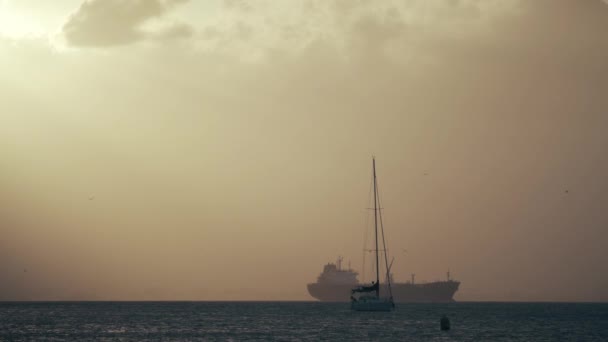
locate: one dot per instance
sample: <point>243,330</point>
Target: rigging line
<point>366,230</point>
<point>390,290</point>
<point>390,267</point>
<point>376,228</point>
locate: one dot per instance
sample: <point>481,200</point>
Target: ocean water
<point>300,321</point>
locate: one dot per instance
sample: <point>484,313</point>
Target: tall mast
<point>376,226</point>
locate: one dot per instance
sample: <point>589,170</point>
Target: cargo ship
<point>334,284</point>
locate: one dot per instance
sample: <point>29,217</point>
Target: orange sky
<point>175,150</point>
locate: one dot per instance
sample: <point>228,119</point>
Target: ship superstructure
<point>334,283</point>
<point>334,274</point>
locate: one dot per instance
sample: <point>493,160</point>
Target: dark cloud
<point>119,22</point>
<point>239,5</point>
<point>177,31</point>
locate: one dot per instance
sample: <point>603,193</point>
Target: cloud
<point>120,22</point>
<point>176,31</point>
<point>349,26</point>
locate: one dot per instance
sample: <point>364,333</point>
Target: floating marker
<point>445,323</point>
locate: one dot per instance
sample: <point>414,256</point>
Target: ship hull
<point>436,292</point>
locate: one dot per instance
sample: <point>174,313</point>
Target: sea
<point>299,321</point>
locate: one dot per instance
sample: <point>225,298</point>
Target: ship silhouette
<point>334,284</point>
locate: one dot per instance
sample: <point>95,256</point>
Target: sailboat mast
<point>376,226</point>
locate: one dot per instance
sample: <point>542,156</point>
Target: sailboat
<point>368,297</point>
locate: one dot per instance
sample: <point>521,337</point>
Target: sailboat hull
<point>372,305</point>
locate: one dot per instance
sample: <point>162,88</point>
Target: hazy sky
<point>175,149</point>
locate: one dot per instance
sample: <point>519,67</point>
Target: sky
<point>221,150</point>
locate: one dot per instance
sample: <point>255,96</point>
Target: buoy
<point>445,323</point>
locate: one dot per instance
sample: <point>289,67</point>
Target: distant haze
<point>221,150</point>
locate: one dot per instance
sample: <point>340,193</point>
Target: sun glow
<point>15,24</point>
